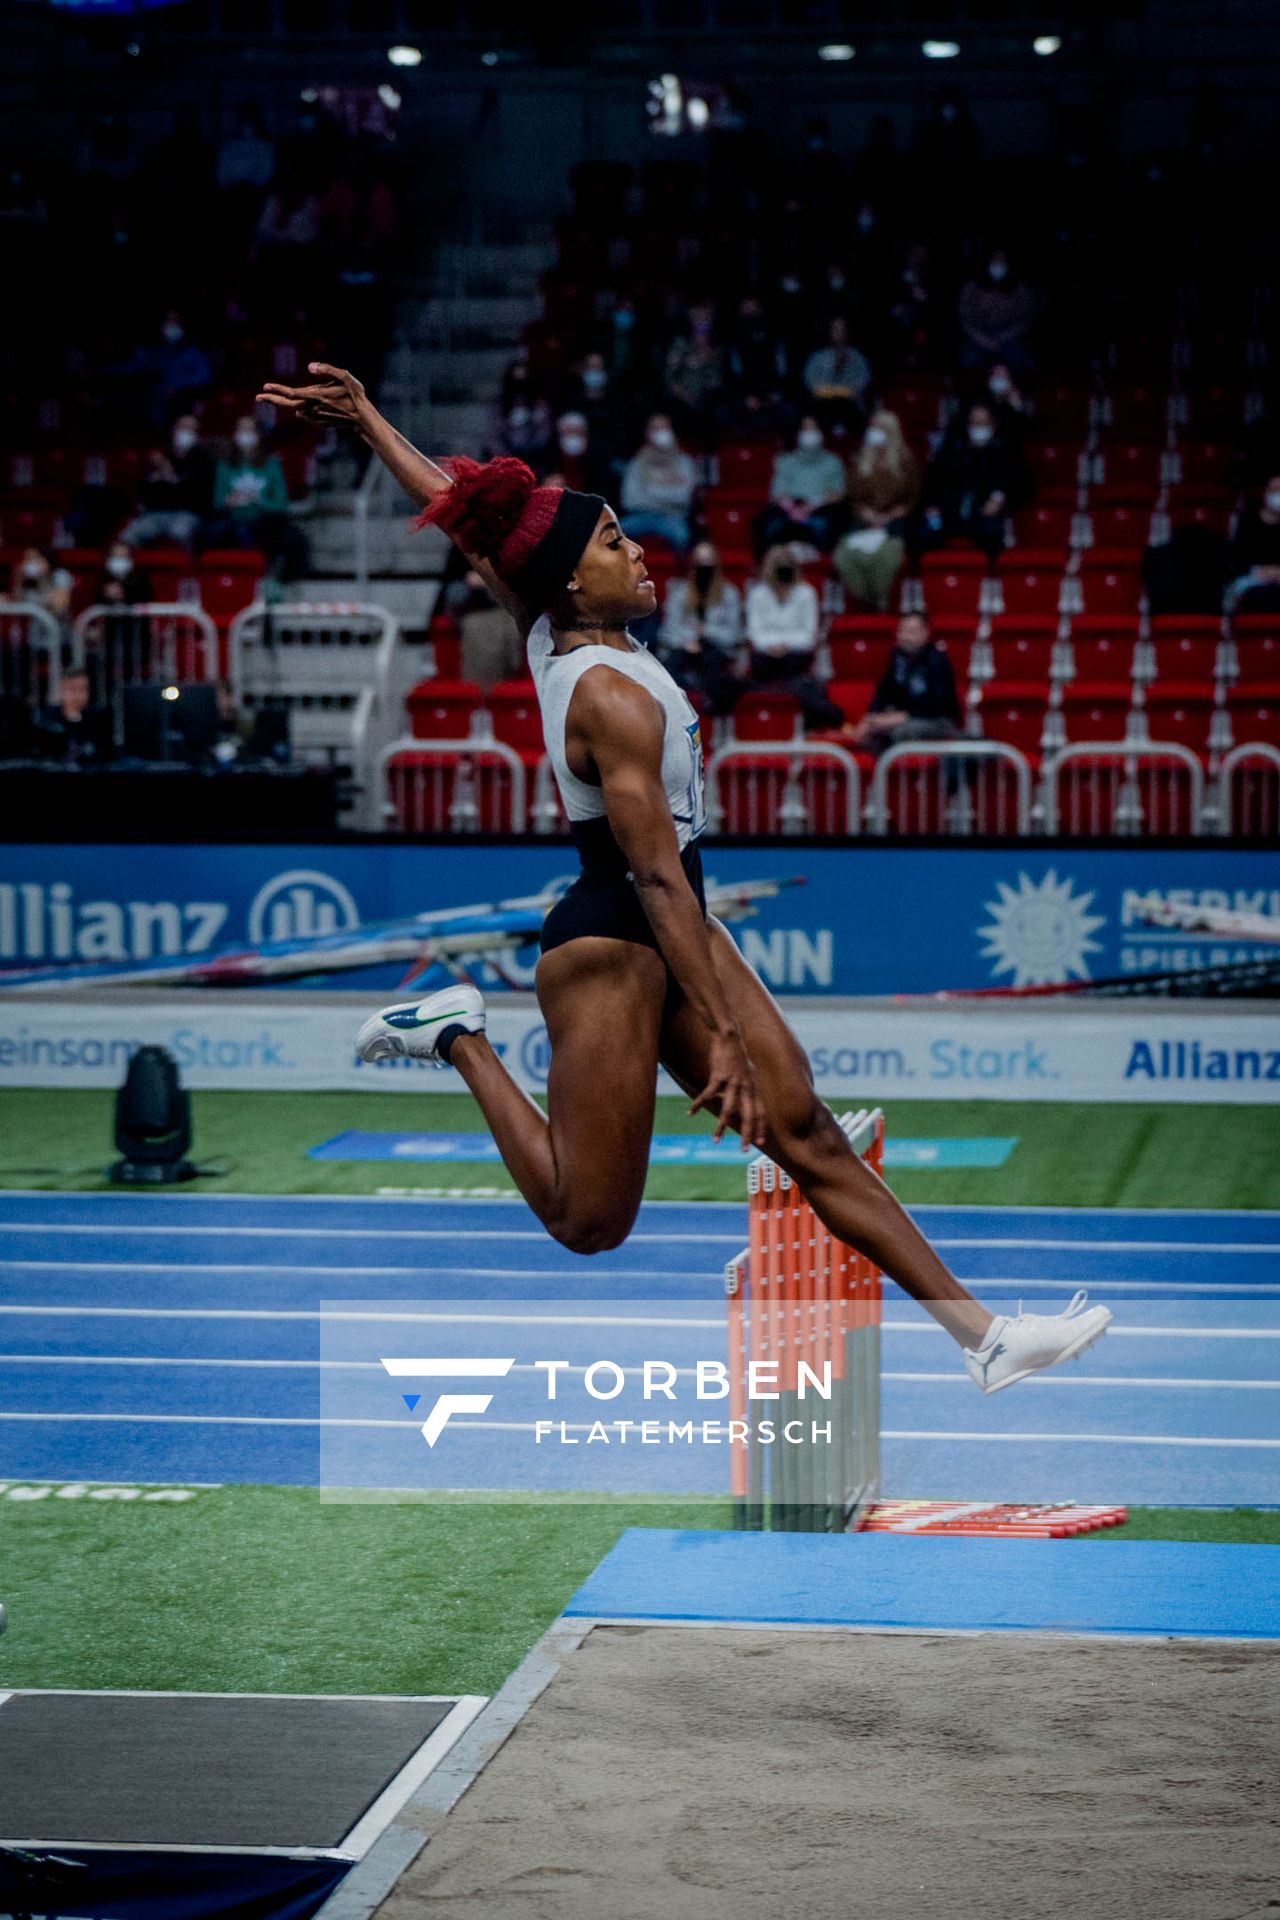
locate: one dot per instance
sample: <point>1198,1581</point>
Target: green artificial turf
<point>1067,1154</point>
<point>271,1589</point>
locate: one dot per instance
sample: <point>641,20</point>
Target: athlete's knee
<point>587,1229</point>
<point>806,1132</point>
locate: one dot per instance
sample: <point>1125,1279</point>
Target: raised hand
<point>337,398</point>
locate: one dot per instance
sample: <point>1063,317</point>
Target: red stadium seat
<point>956,638</point>
<point>1201,506</point>
<point>747,465</point>
<point>1133,467</point>
<point>1014,713</point>
<point>1255,717</point>
<point>860,644</point>
<point>446,644</point>
<point>1091,712</point>
<point>1138,413</point>
<point>170,570</point>
<point>1208,464</point>
<point>952,582</point>
<point>442,709</point>
<point>513,709</point>
<point>1110,582</point>
<point>729,525</point>
<point>1257,646</point>
<point>765,716</point>
<point>1181,714</point>
<point>1022,651</point>
<point>1048,529</point>
<point>853,697</point>
<point>1062,412</point>
<point>228,582</point>
<point>1127,526</point>
<point>1030,581</point>
<point>1186,647</point>
<point>1102,648</point>
<point>1057,464</point>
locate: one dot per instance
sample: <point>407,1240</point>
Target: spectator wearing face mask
<point>122,583</point>
<point>37,582</point>
<point>972,486</point>
<point>574,454</point>
<point>755,362</point>
<point>177,491</point>
<point>782,625</point>
<point>597,404</point>
<point>170,373</point>
<point>658,486</point>
<point>806,493</point>
<point>1008,403</point>
<point>73,730</point>
<point>915,696</point>
<point>702,630</point>
<point>884,485</point>
<point>693,372</point>
<point>836,376</point>
<point>523,427</point>
<point>1253,560</point>
<point>250,503</point>
<point>996,313</point>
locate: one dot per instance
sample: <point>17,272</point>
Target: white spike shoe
<point>1017,1346</point>
<point>414,1026</point>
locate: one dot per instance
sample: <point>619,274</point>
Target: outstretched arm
<point>614,730</point>
<point>338,399</point>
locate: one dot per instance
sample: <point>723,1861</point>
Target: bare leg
<point>806,1142</point>
<point>581,1166</point>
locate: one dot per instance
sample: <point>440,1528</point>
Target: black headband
<point>550,566</point>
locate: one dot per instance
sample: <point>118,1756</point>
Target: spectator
<point>171,373</point>
<point>1008,403</point>
<point>782,632</point>
<point>996,314</point>
<point>1253,565</point>
<point>693,374</point>
<point>73,730</point>
<point>250,504</point>
<point>884,485</point>
<point>702,629</point>
<point>657,487</point>
<point>975,482</point>
<point>915,696</point>
<point>806,493</point>
<point>755,362</point>
<point>598,405</point>
<point>576,456</point>
<point>177,492</point>
<point>235,728</point>
<point>491,649</point>
<point>247,158</point>
<point>36,581</point>
<point>122,582</point>
<point>837,376</point>
<point>524,427</point>
<point>913,313</point>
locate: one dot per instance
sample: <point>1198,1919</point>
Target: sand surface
<point>701,1774</point>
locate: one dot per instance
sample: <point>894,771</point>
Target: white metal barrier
<point>547,812</point>
<point>1247,798</point>
<point>151,644</point>
<point>476,785</point>
<point>340,671</point>
<point>950,786</point>
<point>1123,788</point>
<point>30,654</point>
<point>783,787</point>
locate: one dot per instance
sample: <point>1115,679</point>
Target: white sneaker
<point>1015,1347</point>
<point>415,1025</point>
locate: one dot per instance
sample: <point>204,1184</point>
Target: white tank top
<point>555,675</point>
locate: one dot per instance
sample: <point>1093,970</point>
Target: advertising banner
<point>869,918</point>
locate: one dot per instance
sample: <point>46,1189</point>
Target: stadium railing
<point>783,787</point>
<point>1245,799</point>
<point>149,644</point>
<point>956,787</point>
<point>476,785</point>
<point>30,654</point>
<point>1123,788</point>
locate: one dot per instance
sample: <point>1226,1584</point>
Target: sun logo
<point>1040,931</point>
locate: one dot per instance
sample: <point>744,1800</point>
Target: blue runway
<point>220,1339</point>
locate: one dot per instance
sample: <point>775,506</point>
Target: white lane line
<point>363,1234</point>
<point>952,1379</point>
<point>1027,1284</point>
<point>527,1426</point>
<point>552,1320</point>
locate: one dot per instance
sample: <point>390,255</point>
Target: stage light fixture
<point>940,49</point>
<point>153,1123</point>
<point>405,56</point>
<point>1046,43</point>
<point>837,50</point>
<point>389,98</point>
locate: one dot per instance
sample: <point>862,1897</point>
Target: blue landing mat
<point>887,1580</point>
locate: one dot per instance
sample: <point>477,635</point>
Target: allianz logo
<point>42,921</point>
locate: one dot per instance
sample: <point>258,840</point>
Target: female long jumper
<point>633,971</point>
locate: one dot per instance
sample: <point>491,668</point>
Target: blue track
<point>218,1339</point>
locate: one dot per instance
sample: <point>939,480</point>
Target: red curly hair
<point>494,511</point>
